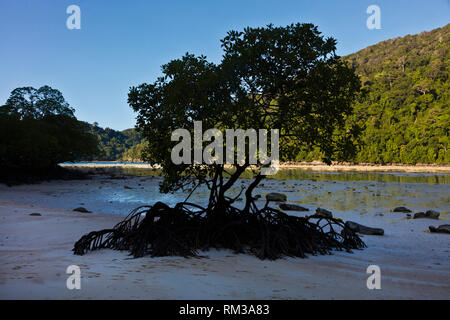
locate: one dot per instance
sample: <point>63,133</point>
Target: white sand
<point>35,252</point>
<point>313,166</point>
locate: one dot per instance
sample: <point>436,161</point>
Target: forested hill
<point>115,145</point>
<point>406,112</point>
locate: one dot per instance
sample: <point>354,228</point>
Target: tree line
<point>401,115</point>
<point>404,110</point>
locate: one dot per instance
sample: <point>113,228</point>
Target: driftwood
<point>185,229</point>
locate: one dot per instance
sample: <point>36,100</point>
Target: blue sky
<point>124,43</point>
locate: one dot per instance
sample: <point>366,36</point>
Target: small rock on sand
<point>127,187</point>
<point>359,228</point>
<point>292,207</point>
<point>81,209</point>
<point>324,213</point>
<point>35,214</point>
<point>430,214</point>
<point>402,209</point>
<point>444,228</point>
<point>274,196</point>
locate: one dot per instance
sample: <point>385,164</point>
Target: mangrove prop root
<point>268,233</point>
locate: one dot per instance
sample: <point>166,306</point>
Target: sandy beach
<point>319,166</point>
<point>36,250</point>
<point>313,166</point>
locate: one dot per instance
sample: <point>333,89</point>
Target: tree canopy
<point>31,103</point>
<point>38,130</point>
<point>286,78</point>
<point>283,78</point>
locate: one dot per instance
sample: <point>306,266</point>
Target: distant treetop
<point>28,102</point>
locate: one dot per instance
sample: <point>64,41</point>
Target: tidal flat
<point>36,250</point>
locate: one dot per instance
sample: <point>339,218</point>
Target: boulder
<point>402,209</point>
<point>430,214</point>
<point>419,215</point>
<point>359,228</point>
<point>274,196</point>
<point>443,228</point>
<point>81,209</point>
<point>292,207</point>
<point>324,213</point>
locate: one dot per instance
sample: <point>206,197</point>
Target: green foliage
<point>38,131</point>
<point>114,145</point>
<point>406,111</point>
<point>286,78</point>
<point>31,103</point>
<point>136,153</point>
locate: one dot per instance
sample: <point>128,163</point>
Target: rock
<point>359,228</point>
<point>292,207</point>
<point>81,209</point>
<point>127,187</point>
<point>402,209</point>
<point>443,228</point>
<point>256,197</point>
<point>35,214</point>
<point>324,213</point>
<point>379,215</point>
<point>274,196</point>
<point>408,216</point>
<point>114,177</point>
<point>430,214</point>
<point>419,215</point>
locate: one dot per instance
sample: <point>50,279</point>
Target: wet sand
<point>36,250</point>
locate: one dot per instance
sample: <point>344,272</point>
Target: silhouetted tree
<point>285,78</point>
<point>38,130</point>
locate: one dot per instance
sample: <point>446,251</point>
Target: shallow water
<point>346,194</point>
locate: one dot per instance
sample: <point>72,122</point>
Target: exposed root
<point>268,233</point>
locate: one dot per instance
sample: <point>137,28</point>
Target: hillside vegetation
<point>406,111</point>
<point>116,145</point>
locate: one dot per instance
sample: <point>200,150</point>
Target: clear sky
<point>124,43</point>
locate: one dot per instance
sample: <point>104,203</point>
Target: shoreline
<point>36,250</point>
<point>312,166</point>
